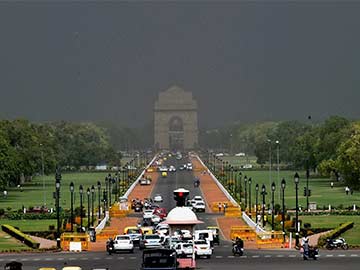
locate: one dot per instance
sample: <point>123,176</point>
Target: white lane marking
<point>24,259</point>
<point>108,258</point>
<point>231,256</point>
<point>1,260</point>
<point>280,256</point>
<point>218,257</point>
<point>60,259</point>
<point>96,258</point>
<point>84,259</point>
<point>329,255</point>
<point>255,256</point>
<point>225,246</point>
<point>341,255</point>
<point>72,259</point>
<point>354,255</point>
<point>292,256</point>
<point>133,258</point>
<point>121,258</point>
<point>48,259</point>
<point>244,256</point>
<point>36,259</point>
<point>267,256</point>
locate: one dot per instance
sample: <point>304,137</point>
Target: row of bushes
<point>20,215</point>
<point>331,213</point>
<point>20,236</point>
<point>335,232</point>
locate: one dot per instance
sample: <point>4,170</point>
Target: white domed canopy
<point>181,215</point>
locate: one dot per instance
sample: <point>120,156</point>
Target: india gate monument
<point>175,120</point>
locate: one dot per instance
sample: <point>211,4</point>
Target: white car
<point>155,219</point>
<point>145,181</point>
<point>158,198</point>
<point>189,166</point>
<point>184,249</point>
<point>148,213</point>
<point>163,169</point>
<point>123,243</point>
<point>150,241</point>
<point>196,199</point>
<point>202,248</point>
<point>172,168</point>
<point>199,206</point>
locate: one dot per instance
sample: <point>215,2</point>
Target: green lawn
<point>9,243</point>
<point>30,225</point>
<point>352,236</point>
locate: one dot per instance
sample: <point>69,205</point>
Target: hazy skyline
<point>243,61</point>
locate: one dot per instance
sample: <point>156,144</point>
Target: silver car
<point>150,241</point>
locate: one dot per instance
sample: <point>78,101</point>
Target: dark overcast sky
<point>243,61</point>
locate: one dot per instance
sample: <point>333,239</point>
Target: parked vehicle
<point>336,243</point>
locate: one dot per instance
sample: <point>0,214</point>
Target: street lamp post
<point>250,206</point>
<point>92,204</point>
<point>278,162</point>
<point>99,196</point>
<point>72,206</point>
<point>283,184</point>
<point>57,187</point>
<point>81,191</point>
<point>105,199</point>
<point>272,205</point>
<point>257,202</point>
<point>263,193</point>
<point>307,184</point>
<point>269,141</point>
<point>245,191</point>
<point>42,173</point>
<point>88,208</point>
<point>296,180</point>
<point>240,176</point>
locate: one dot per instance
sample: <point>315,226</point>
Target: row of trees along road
<point>331,147</point>
<point>24,145</point>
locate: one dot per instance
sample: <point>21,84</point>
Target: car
<point>148,213</point>
<point>172,168</point>
<point>204,235</point>
<point>155,219</point>
<point>184,249</point>
<point>199,206</point>
<point>189,166</point>
<point>158,198</point>
<point>154,259</point>
<point>241,154</point>
<point>171,242</point>
<point>196,199</point>
<point>182,167</point>
<point>150,241</point>
<point>134,232</point>
<point>161,212</point>
<point>163,168</point>
<point>145,181</point>
<point>247,166</point>
<point>219,154</point>
<point>202,248</point>
<point>123,243</point>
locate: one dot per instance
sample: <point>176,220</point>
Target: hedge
<point>335,232</point>
<point>20,236</point>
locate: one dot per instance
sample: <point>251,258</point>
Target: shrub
<point>335,232</point>
<point>2,211</point>
<point>20,236</point>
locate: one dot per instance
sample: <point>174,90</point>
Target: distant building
<point>175,120</point>
<point>101,167</point>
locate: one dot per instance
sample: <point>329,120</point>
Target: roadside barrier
<point>215,206</point>
<point>118,212</point>
<point>270,240</point>
<point>244,232</point>
<point>82,238</point>
<point>107,233</point>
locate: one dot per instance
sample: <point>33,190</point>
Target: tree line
<point>26,148</point>
<point>331,147</point>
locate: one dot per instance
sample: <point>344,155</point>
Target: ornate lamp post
<point>272,205</point>
<point>88,208</point>
<point>296,180</point>
<point>250,206</point>
<point>283,184</point>
<point>92,204</point>
<point>72,206</point>
<point>99,196</point>
<point>57,187</point>
<point>105,199</point>
<point>257,202</point>
<point>240,176</point>
<point>245,187</point>
<point>263,193</point>
<point>81,191</point>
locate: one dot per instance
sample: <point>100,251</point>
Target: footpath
<point>118,224</point>
<point>212,195</point>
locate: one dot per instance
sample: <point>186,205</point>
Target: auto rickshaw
<point>216,232</point>
<point>164,174</point>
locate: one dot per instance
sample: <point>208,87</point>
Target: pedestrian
<point>5,193</point>
<point>219,206</point>
<point>347,189</point>
<point>351,191</point>
<point>332,184</point>
<point>224,206</point>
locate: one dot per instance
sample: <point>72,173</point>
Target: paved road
<point>222,257</point>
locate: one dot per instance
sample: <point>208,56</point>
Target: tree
<point>348,160</point>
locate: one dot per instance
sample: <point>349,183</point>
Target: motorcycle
<point>236,250</point>
<point>336,243</point>
<point>310,253</point>
<point>109,247</point>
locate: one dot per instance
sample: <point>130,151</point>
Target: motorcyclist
<point>110,244</point>
<point>305,246</point>
<point>239,243</point>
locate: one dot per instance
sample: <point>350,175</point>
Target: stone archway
<point>175,120</point>
<point>176,133</point>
